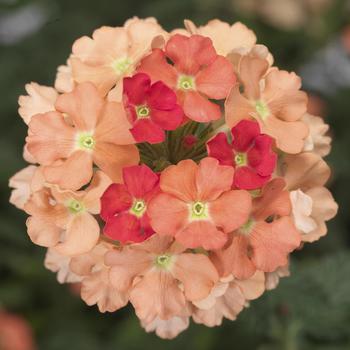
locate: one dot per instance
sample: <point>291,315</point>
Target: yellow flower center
<point>75,207</point>
<point>86,141</point>
<point>138,208</point>
<point>186,83</point>
<point>142,112</point>
<point>262,109</point>
<point>163,261</point>
<point>122,65</point>
<point>199,211</point>
<point>240,159</point>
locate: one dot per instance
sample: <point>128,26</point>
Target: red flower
<point>198,74</point>
<point>152,108</point>
<point>124,206</point>
<point>250,153</point>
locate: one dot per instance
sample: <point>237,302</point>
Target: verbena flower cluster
<point>175,171</point>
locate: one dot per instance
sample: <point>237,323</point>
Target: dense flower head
<point>175,171</point>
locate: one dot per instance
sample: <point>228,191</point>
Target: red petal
<point>247,179</point>
<point>216,80</point>
<point>156,66</point>
<point>190,53</point>
<point>244,134</point>
<point>219,148</point>
<point>139,180</point>
<point>115,200</point>
<point>161,97</point>
<point>261,157</point>
<point>199,108</point>
<point>125,228</point>
<point>145,130</point>
<point>136,88</point>
<point>168,120</point>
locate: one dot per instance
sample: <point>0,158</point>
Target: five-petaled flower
<point>265,240</point>
<point>197,205</point>
<point>250,153</point>
<point>151,108</point>
<point>198,74</point>
<point>125,206</point>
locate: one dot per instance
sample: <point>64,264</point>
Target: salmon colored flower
<point>161,277</point>
<point>227,299</point>
<point>96,132</point>
<point>250,153</point>
<point>265,240</point>
<point>124,207</point>
<point>112,53</point>
<point>272,278</point>
<point>64,219</point>
<point>225,37</point>
<point>198,74</point>
<point>274,100</point>
<point>197,205</point>
<point>151,108</point>
<point>40,99</point>
<point>15,333</point>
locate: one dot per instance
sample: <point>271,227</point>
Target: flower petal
<point>161,97</point>
<point>217,79</point>
<point>145,130</point>
<point>244,134</point>
<point>231,210</point>
<point>219,148</point>
<point>168,120</point>
<point>246,178</point>
<point>197,274</point>
<point>136,88</point>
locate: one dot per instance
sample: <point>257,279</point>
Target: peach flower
<point>265,240</point>
<point>112,53</point>
<point>225,37</point>
<point>227,299</point>
<point>317,141</point>
<point>40,99</point>
<point>98,132</point>
<point>276,102</point>
<point>96,287</point>
<point>197,205</point>
<point>64,219</point>
<point>64,81</point>
<point>161,277</point>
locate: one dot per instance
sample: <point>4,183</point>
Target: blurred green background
<point>309,310</point>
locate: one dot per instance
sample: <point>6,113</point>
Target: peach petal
<point>42,231</point>
<point>272,278</point>
<point>253,287</point>
<point>167,329</point>
<point>289,135</point>
<point>201,234</point>
<point>305,170</point>
<point>60,264</point>
<point>271,243</point>
<point>168,214</point>
<point>83,105</point>
<point>21,184</point>
<point>96,289</point>
<point>180,180</point>
<point>82,235</point>
<point>73,173</point>
<point>64,81</point>
<point>40,99</point>
<point>237,108</point>
<point>50,138</point>
<point>231,210</point>
<point>126,264</point>
<point>157,295</point>
<point>113,126</point>
<point>197,274</point>
<point>212,179</point>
